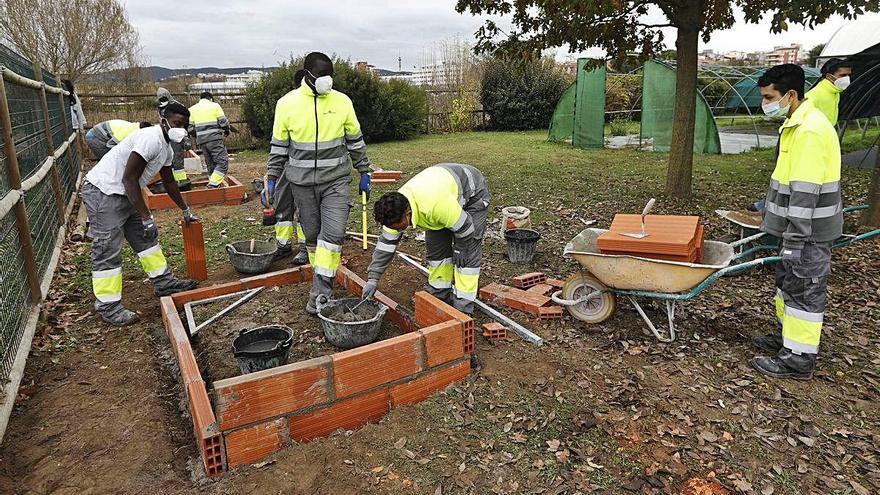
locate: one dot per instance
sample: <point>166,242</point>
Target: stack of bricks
<point>386,176</point>
<point>670,237</point>
<point>260,413</point>
<point>530,294</point>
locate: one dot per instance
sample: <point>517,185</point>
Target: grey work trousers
<point>217,161</point>
<point>112,217</point>
<point>323,214</point>
<point>443,247</point>
<point>97,145</point>
<point>801,292</point>
<point>285,215</point>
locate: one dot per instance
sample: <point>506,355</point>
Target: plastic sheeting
<point>580,113</point>
<point>658,106</point>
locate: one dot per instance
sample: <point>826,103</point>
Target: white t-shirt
<point>149,143</point>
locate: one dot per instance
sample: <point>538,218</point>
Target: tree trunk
<point>871,216</point>
<point>679,174</point>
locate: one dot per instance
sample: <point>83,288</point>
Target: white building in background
<point>434,74</point>
<point>234,83</point>
<point>246,77</point>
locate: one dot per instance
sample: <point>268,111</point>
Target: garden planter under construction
<point>242,419</point>
<point>232,192</point>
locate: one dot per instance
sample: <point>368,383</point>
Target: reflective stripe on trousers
<point>284,232</point>
<point>802,285</point>
<point>440,273</point>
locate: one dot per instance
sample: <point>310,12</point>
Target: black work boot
<point>185,185</point>
<point>770,343</point>
<point>776,368</point>
<point>120,317</point>
<point>302,257</point>
<point>175,286</point>
<point>282,252</point>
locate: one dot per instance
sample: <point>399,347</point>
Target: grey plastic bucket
<point>252,256</point>
<point>350,334</point>
<point>261,348</point>
<point>521,244</point>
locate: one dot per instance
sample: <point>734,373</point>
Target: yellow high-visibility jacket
<point>113,131</point>
<point>826,97</point>
<point>316,138</point>
<point>804,201</point>
<point>207,120</point>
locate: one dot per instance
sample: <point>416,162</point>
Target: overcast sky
<point>196,33</point>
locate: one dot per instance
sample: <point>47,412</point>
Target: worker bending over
<point>109,133</point>
<point>825,94</point>
<point>210,126</point>
<point>115,205</point>
<point>281,196</point>
<point>178,149</point>
<point>803,208</point>
<point>316,140</point>
<point>450,201</point>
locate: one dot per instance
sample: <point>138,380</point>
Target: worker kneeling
<point>111,194</point>
<point>450,201</point>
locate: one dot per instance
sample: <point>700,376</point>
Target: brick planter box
<point>243,419</point>
<point>231,193</point>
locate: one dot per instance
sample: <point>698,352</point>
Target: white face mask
<point>323,84</point>
<point>842,82</point>
<point>775,109</point>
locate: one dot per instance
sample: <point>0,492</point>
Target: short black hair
<point>390,208</point>
<point>784,78</point>
<point>313,59</point>
<point>298,77</point>
<point>206,94</point>
<point>175,107</point>
<point>146,124</point>
<point>833,64</point>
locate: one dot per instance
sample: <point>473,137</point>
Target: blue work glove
<point>269,197</point>
<point>789,254</point>
<point>366,185</point>
<point>151,231</point>
<point>370,289</point>
<point>189,217</point>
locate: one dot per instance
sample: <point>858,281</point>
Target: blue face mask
<point>776,109</point>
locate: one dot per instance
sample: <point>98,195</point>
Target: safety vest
<point>319,135</point>
<point>121,129</point>
<point>826,97</point>
<point>804,201</point>
<point>209,121</point>
<point>437,195</point>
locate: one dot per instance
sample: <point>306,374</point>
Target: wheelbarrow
<point>590,295</point>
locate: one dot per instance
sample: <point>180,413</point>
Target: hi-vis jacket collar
<point>797,118</point>
<point>306,90</point>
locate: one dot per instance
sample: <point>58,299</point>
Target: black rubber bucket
<point>261,348</point>
<point>521,244</point>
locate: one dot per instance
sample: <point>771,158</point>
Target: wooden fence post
<point>21,220</point>
<point>56,180</point>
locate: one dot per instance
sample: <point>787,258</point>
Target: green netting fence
<point>39,175</point>
<point>579,116</point>
<point>658,106</point>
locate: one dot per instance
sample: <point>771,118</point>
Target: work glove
<point>151,231</point>
<point>366,185</point>
<point>270,185</point>
<point>189,217</point>
<point>459,257</point>
<point>370,289</point>
<point>789,254</point>
<point>226,132</point>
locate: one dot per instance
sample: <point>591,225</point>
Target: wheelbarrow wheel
<point>597,309</point>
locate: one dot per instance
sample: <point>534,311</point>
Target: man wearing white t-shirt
<point>112,197</point>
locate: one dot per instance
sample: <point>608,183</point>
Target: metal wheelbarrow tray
<point>591,294</point>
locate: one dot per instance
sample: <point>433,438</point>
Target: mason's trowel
<point>647,209</point>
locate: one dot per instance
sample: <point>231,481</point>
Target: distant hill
<point>159,73</point>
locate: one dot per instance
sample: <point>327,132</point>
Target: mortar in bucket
<point>347,328</point>
<point>252,256</point>
<point>521,244</point>
<point>261,348</point>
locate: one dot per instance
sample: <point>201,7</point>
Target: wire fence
<point>39,173</point>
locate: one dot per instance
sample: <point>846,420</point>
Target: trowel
<point>647,209</point>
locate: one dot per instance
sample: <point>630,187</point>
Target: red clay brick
<point>555,283</point>
<point>199,196</point>
<point>550,313</point>
<point>366,367</point>
<point>527,280</point>
<point>179,339</point>
<point>393,175</point>
<point>258,396</point>
<point>213,450</point>
<point>431,311</point>
<point>254,443</point>
<point>204,422</point>
<point>495,332</point>
<point>514,298</point>
<point>194,250</point>
<point>418,389</point>
<point>350,414</point>
<point>182,298</point>
<point>444,342</point>
<point>541,289</point>
<point>280,277</point>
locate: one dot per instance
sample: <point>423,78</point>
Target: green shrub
<point>390,110</point>
<point>521,94</point>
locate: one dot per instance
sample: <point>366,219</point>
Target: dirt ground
<point>597,409</point>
